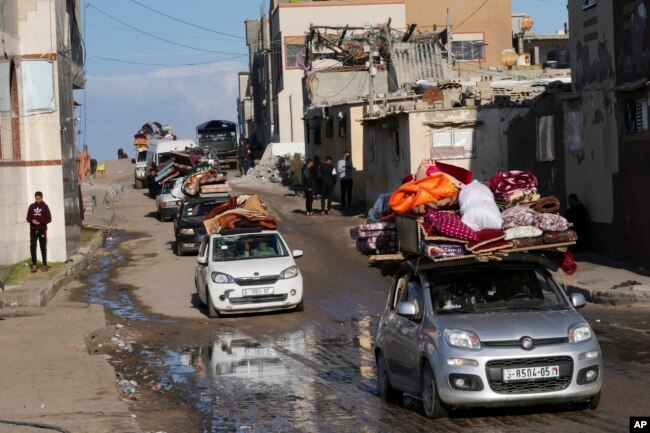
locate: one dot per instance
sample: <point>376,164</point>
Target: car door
<point>407,335</point>
<point>202,269</point>
<point>389,326</point>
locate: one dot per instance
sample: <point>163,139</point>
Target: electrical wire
<point>471,15</point>
<point>152,35</point>
<point>165,64</point>
<point>207,38</point>
<point>185,22</point>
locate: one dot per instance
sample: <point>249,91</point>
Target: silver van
<point>485,334</point>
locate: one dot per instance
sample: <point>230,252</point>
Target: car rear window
<point>476,290</point>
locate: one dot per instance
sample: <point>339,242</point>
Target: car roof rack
<point>240,231</point>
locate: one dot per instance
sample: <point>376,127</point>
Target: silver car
<point>485,334</point>
<point>167,201</point>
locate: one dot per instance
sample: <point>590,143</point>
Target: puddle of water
<point>99,289</point>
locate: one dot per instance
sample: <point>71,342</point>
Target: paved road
<point>311,371</point>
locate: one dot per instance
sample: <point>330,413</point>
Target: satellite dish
<point>509,57</point>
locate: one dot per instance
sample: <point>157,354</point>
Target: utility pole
<point>372,71</point>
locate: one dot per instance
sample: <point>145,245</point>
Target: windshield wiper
<point>458,310</point>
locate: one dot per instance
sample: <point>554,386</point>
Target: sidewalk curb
<point>80,261</point>
<point>596,296</point>
<point>38,295</point>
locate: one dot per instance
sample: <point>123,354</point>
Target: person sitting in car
<point>263,250</point>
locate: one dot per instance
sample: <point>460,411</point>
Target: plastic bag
<point>478,208</point>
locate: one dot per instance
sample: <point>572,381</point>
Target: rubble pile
<point>271,169</point>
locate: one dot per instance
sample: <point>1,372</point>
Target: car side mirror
<point>578,300</point>
<point>407,310</point>
<point>297,253</point>
<point>202,260</point>
<point>132,160</point>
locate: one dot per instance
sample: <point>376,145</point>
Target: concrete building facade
<point>289,24</point>
<point>42,64</point>
<point>611,71</point>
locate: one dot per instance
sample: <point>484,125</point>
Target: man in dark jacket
<point>308,184</point>
<point>328,180</point>
<point>38,217</point>
<point>154,187</point>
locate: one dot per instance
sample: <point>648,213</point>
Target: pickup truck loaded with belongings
<point>443,214</point>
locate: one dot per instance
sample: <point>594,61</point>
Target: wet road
<point>314,371</point>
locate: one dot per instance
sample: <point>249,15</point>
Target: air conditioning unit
<point>588,3</point>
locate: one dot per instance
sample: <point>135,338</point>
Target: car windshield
<point>142,156</point>
<point>481,290</point>
<point>198,209</point>
<point>167,187</point>
<point>247,246</point>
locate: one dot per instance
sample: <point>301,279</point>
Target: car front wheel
<point>301,306</point>
<point>213,313</point>
<point>179,248</point>
<point>433,407</point>
<point>386,390</point>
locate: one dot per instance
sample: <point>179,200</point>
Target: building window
<point>372,145</point>
<point>396,147</point>
<point>468,47</point>
<point>586,4</point>
<point>343,126</point>
<point>15,112</point>
<point>453,144</point>
<point>294,51</point>
<point>636,115</point>
<point>317,134</point>
<point>329,128</point>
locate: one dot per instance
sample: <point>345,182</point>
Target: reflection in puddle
<point>297,382</point>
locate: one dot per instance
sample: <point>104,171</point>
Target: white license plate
<point>530,373</point>
<point>257,291</point>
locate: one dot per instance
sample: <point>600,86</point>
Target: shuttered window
<point>588,3</point>
<point>453,144</point>
<point>641,115</point>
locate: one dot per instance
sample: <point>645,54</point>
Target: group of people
<point>318,180</point>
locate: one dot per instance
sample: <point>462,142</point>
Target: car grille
<point>258,299</point>
<point>493,371</point>
<point>517,343</point>
<point>257,281</point>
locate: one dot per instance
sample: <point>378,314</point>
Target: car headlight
<point>462,339</point>
<point>579,333</point>
<point>290,272</point>
<point>220,278</point>
<point>187,231</point>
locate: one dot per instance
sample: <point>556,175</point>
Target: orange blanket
<point>422,191</point>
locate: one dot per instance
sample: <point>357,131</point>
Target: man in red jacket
<point>38,217</point>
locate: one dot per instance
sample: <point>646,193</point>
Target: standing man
<point>308,183</point>
<point>345,171</point>
<point>328,180</point>
<point>154,187</point>
<point>38,217</point>
<point>242,157</point>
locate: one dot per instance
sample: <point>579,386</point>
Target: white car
<point>248,270</point>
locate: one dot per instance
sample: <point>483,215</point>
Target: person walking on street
<point>243,154</point>
<point>154,187</point>
<point>38,217</point>
<point>317,176</point>
<point>345,169</point>
<point>328,180</point>
<point>308,186</point>
<point>295,174</point>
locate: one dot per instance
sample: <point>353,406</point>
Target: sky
<point>177,62</point>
